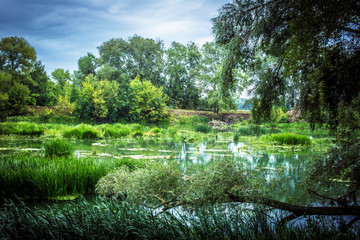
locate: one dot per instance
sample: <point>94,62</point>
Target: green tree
<point>62,77</point>
<point>182,70</point>
<point>19,97</point>
<point>137,57</point>
<point>314,44</point>
<point>310,45</point>
<point>86,65</point>
<point>148,103</point>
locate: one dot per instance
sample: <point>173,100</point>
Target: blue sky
<point>62,31</point>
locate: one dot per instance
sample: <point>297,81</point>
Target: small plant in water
<point>58,148</point>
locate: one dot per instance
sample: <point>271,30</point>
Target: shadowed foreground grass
<point>113,219</point>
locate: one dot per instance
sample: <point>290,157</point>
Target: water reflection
<point>285,168</point>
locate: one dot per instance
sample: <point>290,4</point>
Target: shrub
<point>204,128</point>
<point>82,131</point>
<point>58,148</point>
<point>45,115</point>
<point>291,139</point>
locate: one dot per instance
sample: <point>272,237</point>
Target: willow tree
<point>308,50</point>
<point>314,46</point>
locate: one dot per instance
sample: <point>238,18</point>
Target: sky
<point>62,31</point>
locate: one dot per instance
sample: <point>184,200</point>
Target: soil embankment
<point>229,117</point>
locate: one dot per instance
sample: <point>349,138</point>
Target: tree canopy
<point>310,45</point>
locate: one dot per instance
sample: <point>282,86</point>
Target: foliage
<point>137,57</point>
<point>116,130</point>
<point>182,69</point>
<point>63,106</point>
<point>62,77</point>
<point>164,182</point>
<point>19,97</point>
<point>21,128</point>
<point>33,176</point>
<point>304,52</point>
<point>148,103</point>
<point>46,115</point>
<point>109,219</point>
<point>58,148</point>
<point>204,128</point>
<point>341,164</point>
<point>82,131</point>
<point>290,139</point>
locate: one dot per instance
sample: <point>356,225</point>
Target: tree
<point>182,70</point>
<point>310,44</point>
<point>17,54</point>
<point>62,77</point>
<point>148,103</point>
<point>314,44</point>
<point>87,65</point>
<point>137,57</point>
<point>16,59</point>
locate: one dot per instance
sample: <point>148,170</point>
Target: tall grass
<point>21,128</point>
<point>58,148</point>
<point>290,139</point>
<point>117,130</point>
<point>31,175</point>
<point>113,219</point>
<point>82,131</point>
<point>203,128</point>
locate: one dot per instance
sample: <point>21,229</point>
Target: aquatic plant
<point>31,175</point>
<point>116,130</point>
<point>82,131</point>
<point>108,219</point>
<point>58,148</point>
<point>290,139</point>
<point>21,128</point>
<point>203,128</point>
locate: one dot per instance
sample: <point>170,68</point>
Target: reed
<point>82,131</point>
<point>58,148</point>
<point>117,130</point>
<point>31,175</point>
<point>113,219</point>
<point>291,139</point>
<point>21,128</point>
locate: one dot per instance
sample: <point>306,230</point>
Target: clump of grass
<point>116,130</point>
<point>31,175</point>
<point>203,128</point>
<point>291,139</point>
<point>58,148</point>
<point>82,131</point>
<point>21,128</point>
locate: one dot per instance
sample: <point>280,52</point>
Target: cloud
<point>62,31</point>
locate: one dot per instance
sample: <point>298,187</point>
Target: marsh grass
<point>203,128</point>
<point>289,139</point>
<point>252,130</point>
<point>117,130</point>
<point>82,131</point>
<point>31,175</point>
<point>113,219</point>
<point>58,148</point>
<point>21,128</point>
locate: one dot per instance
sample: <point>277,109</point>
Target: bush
<point>82,131</point>
<point>58,148</point>
<point>291,139</point>
<point>252,130</point>
<point>45,115</point>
